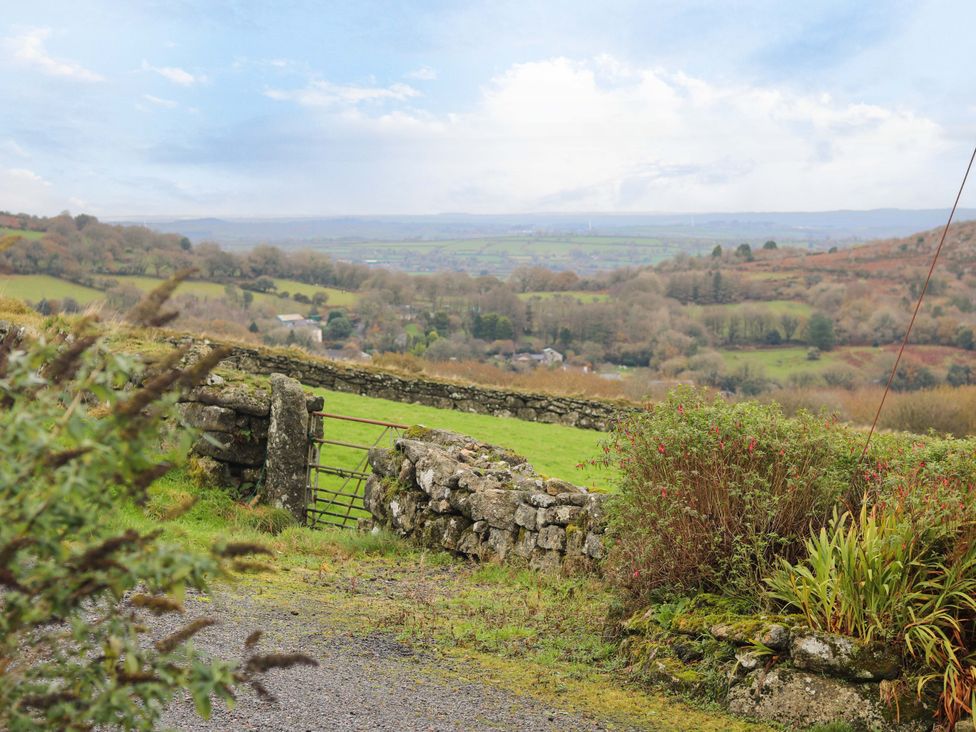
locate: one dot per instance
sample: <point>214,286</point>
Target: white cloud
<point>598,134</point>
<point>175,74</point>
<point>160,102</point>
<point>326,94</point>
<point>11,146</point>
<point>28,49</point>
<point>424,73</point>
<point>24,190</point>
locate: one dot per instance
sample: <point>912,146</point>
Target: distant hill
<point>817,225</point>
<point>895,260</point>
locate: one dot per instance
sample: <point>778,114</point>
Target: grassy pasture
<point>554,450</point>
<point>337,298</point>
<point>779,363</point>
<point>775,307</point>
<point>581,295</point>
<point>31,235</point>
<point>34,288</point>
<point>203,290</point>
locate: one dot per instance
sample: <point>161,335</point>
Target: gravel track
<point>371,682</point>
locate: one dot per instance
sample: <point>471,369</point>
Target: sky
<point>255,108</point>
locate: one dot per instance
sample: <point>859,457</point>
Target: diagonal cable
<point>918,305</point>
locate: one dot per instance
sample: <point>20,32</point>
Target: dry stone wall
<point>448,491</point>
<point>255,435</point>
<point>584,413</point>
<point>776,668</point>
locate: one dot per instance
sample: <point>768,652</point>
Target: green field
<point>553,450</point>
<point>337,298</point>
<point>775,307</point>
<point>779,363</point>
<point>32,235</point>
<point>35,288</point>
<point>581,295</point>
<point>203,290</point>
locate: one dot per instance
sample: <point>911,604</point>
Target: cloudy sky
<point>284,107</point>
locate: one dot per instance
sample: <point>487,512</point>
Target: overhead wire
<point>918,305</point>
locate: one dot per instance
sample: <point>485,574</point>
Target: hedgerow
<point>780,511</point>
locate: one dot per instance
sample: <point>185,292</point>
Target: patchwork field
<point>500,255</point>
<point>35,288</point>
<point>203,290</point>
<point>337,298</point>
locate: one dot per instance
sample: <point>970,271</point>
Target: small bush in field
<point>714,494</point>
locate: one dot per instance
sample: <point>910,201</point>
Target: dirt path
<point>363,682</point>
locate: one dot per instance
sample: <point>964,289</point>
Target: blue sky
<point>237,108</point>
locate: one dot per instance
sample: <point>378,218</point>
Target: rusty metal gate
<point>338,469</point>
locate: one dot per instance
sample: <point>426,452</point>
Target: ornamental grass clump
<point>73,655</point>
<point>882,577</point>
<point>713,494</point>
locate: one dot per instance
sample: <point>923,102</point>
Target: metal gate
<point>338,469</point>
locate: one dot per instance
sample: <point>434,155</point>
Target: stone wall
<point>775,668</point>
<point>312,371</point>
<point>256,435</point>
<point>447,491</point>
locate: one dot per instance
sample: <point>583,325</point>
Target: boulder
<point>374,497</point>
<point>496,506</point>
<point>593,546</point>
<point>545,561</point>
<point>748,630</point>
<point>560,515</point>
<point>525,516</point>
<point>552,537</point>
<point>572,499</point>
<point>525,543</point>
<point>839,655</point>
<point>209,417</point>
<point>404,509</point>
<point>436,470</point>
<point>500,543</point>
<point>541,500</point>
<point>799,700</point>
<point>453,530</point>
<point>231,447</point>
<point>383,461</point>
<point>238,397</point>
<point>555,486</point>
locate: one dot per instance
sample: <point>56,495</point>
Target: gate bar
<point>362,419</point>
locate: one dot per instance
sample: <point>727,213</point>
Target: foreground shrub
<point>72,655</point>
<point>713,495</point>
<point>883,577</point>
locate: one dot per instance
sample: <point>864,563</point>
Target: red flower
<point>660,448</point>
<point>752,444</point>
